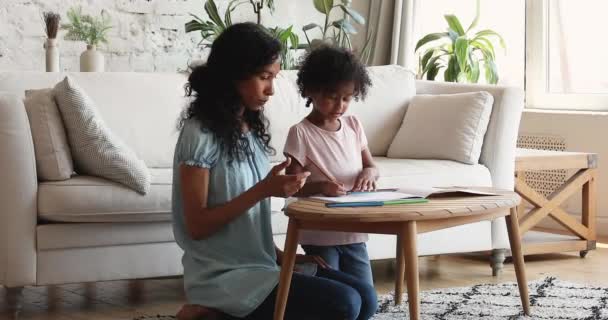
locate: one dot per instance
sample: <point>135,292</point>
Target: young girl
<point>333,147</point>
<point>221,188</point>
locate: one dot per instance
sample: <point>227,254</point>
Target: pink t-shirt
<point>336,152</point>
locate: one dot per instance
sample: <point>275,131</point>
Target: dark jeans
<point>331,295</point>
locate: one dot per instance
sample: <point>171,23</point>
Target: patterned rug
<point>550,298</point>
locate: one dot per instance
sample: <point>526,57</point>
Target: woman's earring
<point>308,102</point>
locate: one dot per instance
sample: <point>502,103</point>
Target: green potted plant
<point>91,30</point>
<point>463,53</point>
<point>338,32</point>
<point>211,28</point>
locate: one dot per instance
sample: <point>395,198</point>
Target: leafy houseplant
<point>462,53</point>
<point>92,31</point>
<point>211,28</point>
<point>84,27</point>
<point>338,32</point>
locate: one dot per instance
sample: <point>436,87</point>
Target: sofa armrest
<point>18,192</point>
<point>498,152</point>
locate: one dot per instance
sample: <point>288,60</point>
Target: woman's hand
<point>366,181</point>
<point>283,185</point>
<point>332,189</point>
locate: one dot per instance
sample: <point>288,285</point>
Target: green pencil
<point>405,201</point>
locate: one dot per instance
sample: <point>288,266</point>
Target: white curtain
<point>393,23</point>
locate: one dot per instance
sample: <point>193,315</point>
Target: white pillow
<point>445,126</point>
<point>96,151</point>
<point>53,158</point>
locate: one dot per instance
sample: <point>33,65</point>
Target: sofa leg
<point>496,261</point>
<point>14,297</point>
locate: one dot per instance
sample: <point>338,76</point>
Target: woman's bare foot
<point>197,312</point>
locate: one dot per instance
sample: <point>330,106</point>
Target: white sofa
<point>89,229</point>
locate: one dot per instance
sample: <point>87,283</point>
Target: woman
<point>221,188</point>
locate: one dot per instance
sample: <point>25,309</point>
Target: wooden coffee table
<point>405,221</point>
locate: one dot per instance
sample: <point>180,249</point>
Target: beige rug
<point>550,298</point>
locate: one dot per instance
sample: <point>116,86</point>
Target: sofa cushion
<point>446,126</point>
<point>382,112</point>
<point>153,100</point>
<point>90,199</point>
<point>53,157</point>
<point>93,199</point>
<point>430,173</point>
<point>96,150</point>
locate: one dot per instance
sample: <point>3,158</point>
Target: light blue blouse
<point>234,269</point>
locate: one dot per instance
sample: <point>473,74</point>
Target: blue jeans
<point>330,295</point>
<point>349,258</point>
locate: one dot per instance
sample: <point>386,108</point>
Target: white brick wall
<point>148,35</point>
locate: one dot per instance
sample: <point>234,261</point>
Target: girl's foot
<point>197,312</point>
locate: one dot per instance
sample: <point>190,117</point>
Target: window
<point>566,51</point>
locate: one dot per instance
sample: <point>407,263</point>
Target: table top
<point>530,159</point>
<point>436,208</point>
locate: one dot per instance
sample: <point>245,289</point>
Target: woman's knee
<point>369,301</point>
<point>348,304</point>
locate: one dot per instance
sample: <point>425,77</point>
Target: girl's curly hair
<point>325,68</point>
<point>238,53</point>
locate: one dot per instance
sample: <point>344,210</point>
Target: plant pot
<point>52,55</point>
<point>91,60</point>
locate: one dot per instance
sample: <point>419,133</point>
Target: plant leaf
<point>476,19</point>
<point>193,25</point>
<point>485,46</point>
<point>311,26</point>
<point>451,72</point>
<point>491,72</point>
<point>430,37</point>
<point>344,25</point>
<point>425,58</point>
<point>475,71</point>
<point>489,32</point>
<point>454,24</point>
<point>213,14</point>
<point>461,50</point>
<point>357,17</point>
<point>323,6</point>
<point>432,71</point>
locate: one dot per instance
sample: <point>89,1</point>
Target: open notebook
<point>409,193</point>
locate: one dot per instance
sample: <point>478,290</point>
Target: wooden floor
<point>116,300</point>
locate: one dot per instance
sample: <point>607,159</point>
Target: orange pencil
<point>325,173</point>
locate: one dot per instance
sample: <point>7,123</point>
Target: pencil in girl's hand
<point>325,173</point>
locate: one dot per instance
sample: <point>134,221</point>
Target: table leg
<point>518,258</point>
<point>400,272</point>
<point>289,259</point>
<point>410,254</point>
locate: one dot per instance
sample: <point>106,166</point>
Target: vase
<point>91,60</point>
<point>52,55</point>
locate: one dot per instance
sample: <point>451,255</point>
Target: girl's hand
<point>301,258</point>
<point>283,185</point>
<point>366,181</point>
<point>332,189</point>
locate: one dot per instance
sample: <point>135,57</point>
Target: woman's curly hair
<point>327,67</point>
<point>238,53</point>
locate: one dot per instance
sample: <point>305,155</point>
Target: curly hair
<point>238,53</point>
<point>325,68</point>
